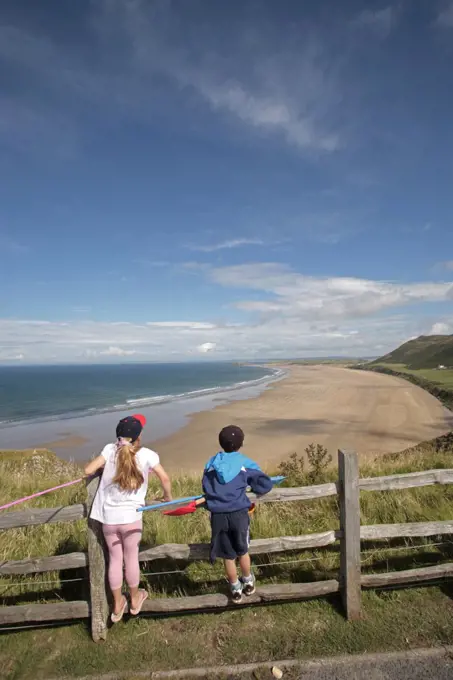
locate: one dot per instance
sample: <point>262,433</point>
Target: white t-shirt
<point>112,505</point>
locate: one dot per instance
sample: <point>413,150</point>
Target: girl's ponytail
<point>128,475</point>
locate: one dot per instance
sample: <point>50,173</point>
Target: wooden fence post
<point>97,559</point>
<point>349,496</point>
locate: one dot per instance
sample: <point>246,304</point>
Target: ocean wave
<point>140,402</point>
<point>165,398</point>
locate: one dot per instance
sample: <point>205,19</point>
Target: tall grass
<point>23,473</point>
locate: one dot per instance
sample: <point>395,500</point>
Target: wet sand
<point>67,441</point>
<point>79,438</point>
<point>337,407</point>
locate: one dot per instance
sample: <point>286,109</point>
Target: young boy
<point>225,480</point>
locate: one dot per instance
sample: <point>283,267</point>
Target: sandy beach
<point>337,407</point>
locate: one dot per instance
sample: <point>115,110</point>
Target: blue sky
<point>223,179</point>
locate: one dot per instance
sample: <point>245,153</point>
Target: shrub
<point>293,469</point>
<point>319,460</point>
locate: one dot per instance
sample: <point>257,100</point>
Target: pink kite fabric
<point>40,493</point>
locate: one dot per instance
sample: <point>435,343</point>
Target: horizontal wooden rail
<point>264,594</point>
<point>176,551</point>
<point>410,480</point>
<point>71,513</point>
<point>79,610</point>
<point>259,546</point>
<point>408,576</point>
<point>37,613</point>
<point>29,518</point>
<point>296,493</point>
<point>409,530</point>
<point>61,611</point>
<point>39,565</point>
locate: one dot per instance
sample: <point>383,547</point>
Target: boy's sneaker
<point>248,585</point>
<point>236,592</point>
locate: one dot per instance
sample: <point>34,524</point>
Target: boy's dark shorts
<point>230,534</point>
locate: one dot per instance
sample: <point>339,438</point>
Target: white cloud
<point>286,82</point>
<point>284,85</point>
<point>189,325</point>
<point>226,245</point>
<point>271,113</point>
<point>81,341</point>
<point>207,347</point>
<point>289,314</point>
<point>448,265</point>
<point>117,352</point>
<point>445,18</point>
<point>441,328</point>
<point>6,357</point>
<point>380,21</point>
<point>293,294</point>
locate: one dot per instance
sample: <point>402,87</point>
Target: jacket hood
<point>227,466</point>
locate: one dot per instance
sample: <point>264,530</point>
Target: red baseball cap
<point>141,418</point>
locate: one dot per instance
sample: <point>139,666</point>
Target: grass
<point>426,351</point>
<point>392,620</point>
<point>443,378</point>
<point>439,383</point>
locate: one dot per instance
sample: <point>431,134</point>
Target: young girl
<point>122,490</point>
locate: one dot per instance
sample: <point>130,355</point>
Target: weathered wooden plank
<point>296,493</point>
<point>177,551</point>
<point>271,593</point>
<point>408,576</point>
<point>259,546</point>
<point>411,529</point>
<point>25,518</point>
<point>406,481</point>
<point>35,565</point>
<point>97,558</point>
<point>36,613</point>
<point>60,611</point>
<point>348,470</point>
<point>33,517</point>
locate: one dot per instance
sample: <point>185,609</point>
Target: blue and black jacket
<point>225,481</point>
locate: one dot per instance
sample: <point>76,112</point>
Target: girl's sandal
<point>143,596</point>
<point>116,618</point>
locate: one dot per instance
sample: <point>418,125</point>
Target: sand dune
<point>337,407</point>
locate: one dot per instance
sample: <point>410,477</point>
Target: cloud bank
<point>290,314</point>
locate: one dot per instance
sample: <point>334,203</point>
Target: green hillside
<point>427,351</point>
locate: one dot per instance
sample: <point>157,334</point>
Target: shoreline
<point>78,438</point>
<point>333,406</point>
<point>276,373</point>
<point>329,405</point>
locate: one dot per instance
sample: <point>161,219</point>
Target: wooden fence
<point>349,583</point>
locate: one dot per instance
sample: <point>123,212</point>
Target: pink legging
<point>123,541</point>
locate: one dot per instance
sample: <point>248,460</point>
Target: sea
<point>73,409</point>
